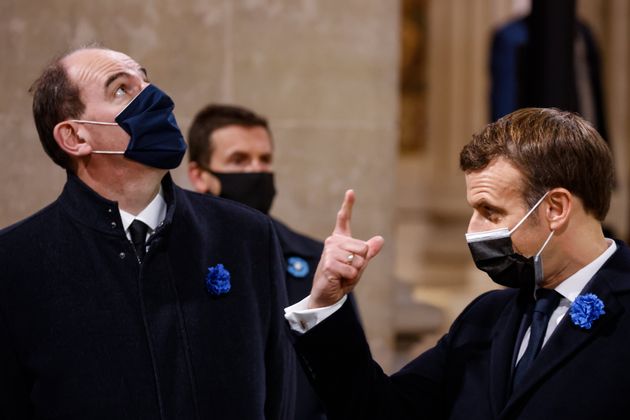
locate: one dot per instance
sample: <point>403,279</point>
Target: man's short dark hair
<point>212,118</point>
<point>55,99</point>
<point>551,148</point>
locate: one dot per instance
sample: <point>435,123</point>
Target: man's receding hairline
<point>68,55</point>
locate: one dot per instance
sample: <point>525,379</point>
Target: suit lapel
<point>507,330</point>
<point>568,339</point>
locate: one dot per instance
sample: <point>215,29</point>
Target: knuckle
<point>330,241</point>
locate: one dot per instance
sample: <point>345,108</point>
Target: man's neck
<point>132,190</point>
<point>577,252</point>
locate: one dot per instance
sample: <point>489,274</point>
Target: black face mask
<point>493,253</point>
<point>254,189</point>
<point>504,266</point>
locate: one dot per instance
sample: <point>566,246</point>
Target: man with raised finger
<point>551,344</point>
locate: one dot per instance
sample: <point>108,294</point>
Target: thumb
<point>374,246</point>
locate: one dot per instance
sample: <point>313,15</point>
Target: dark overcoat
<point>301,256</point>
<point>87,332</point>
<point>579,374</point>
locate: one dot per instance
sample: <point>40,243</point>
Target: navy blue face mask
<point>156,140</point>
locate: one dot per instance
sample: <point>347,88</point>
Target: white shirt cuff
<point>302,319</point>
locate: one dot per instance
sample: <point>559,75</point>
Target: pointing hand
<point>343,260</point>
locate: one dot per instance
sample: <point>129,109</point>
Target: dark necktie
<point>546,301</point>
<point>138,232</point>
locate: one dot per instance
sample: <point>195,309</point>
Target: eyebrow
<point>111,79</point>
<point>237,153</point>
<point>114,77</point>
<point>483,203</point>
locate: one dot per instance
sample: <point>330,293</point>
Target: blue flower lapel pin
<point>218,280</point>
<point>586,309</point>
<point>297,267</point>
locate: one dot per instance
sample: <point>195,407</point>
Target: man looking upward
<point>128,297</point>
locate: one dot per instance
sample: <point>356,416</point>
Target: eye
<point>489,213</point>
<point>239,158</point>
<point>121,91</point>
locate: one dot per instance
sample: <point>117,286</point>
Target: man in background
<point>231,156</point>
<point>128,297</point>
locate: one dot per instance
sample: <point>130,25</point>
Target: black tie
<point>546,301</point>
<point>138,232</point>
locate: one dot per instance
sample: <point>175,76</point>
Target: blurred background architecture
<point>374,95</point>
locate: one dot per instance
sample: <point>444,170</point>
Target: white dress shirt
<point>570,289</point>
<point>302,319</point>
<point>152,215</point>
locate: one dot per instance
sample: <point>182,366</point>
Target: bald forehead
<point>96,52</point>
<point>94,64</point>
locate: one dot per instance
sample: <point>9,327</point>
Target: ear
<point>203,181</point>
<point>69,138</point>
<point>558,211</point>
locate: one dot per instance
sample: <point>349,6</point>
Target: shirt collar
<point>572,286</point>
<point>152,215</point>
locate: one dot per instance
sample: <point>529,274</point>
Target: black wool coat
<point>301,256</point>
<point>87,332</point>
<point>579,374</point>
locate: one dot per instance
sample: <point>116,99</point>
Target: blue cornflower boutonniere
<point>586,309</point>
<point>218,280</point>
<point>297,267</point>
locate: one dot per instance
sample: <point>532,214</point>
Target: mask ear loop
<point>100,152</point>
<point>544,245</point>
<point>528,213</point>
<point>538,265</point>
<point>110,152</point>
<point>93,122</point>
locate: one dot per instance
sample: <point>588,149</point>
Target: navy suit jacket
<point>86,332</point>
<point>301,256</point>
<point>579,374</point>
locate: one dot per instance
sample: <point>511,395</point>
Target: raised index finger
<point>344,215</point>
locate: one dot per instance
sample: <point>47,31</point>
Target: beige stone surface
<point>329,158</point>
